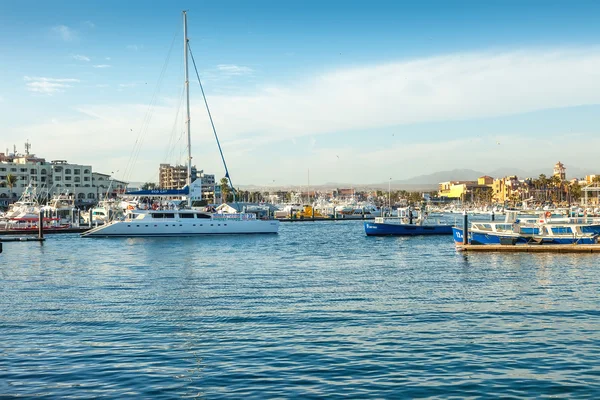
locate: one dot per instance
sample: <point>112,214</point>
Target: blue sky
<point>354,91</point>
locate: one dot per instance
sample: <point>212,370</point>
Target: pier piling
<point>41,225</point>
<point>465,228</point>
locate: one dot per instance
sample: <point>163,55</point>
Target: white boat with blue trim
<point>407,223</point>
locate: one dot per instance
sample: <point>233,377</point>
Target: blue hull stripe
<point>375,229</point>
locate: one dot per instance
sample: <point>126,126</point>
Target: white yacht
<point>151,221</point>
<point>182,223</point>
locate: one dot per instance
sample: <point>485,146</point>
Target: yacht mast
<point>187,96</point>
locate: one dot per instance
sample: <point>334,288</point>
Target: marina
<point>300,200</point>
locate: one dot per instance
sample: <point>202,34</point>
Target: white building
<point>50,178</point>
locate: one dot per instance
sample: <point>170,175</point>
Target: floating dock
<point>47,231</point>
<point>22,239</point>
<point>530,248</point>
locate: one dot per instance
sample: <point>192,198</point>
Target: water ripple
<point>317,311</point>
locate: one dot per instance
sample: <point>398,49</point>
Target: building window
<point>57,178</point>
<point>67,178</point>
<point>90,195</point>
<point>57,169</point>
<point>23,169</point>
<point>13,170</point>
<point>33,171</point>
<point>86,178</point>
<point>2,169</point>
<point>86,171</point>
<point>67,171</point>
<point>77,179</point>
<point>43,172</point>
<point>76,171</point>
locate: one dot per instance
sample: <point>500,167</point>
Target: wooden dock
<point>22,239</point>
<point>530,248</point>
<point>32,232</point>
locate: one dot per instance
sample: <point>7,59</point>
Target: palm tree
<point>149,186</point>
<point>225,189</point>
<point>11,181</point>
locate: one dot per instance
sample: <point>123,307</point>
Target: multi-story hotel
<point>175,177</point>
<point>54,177</point>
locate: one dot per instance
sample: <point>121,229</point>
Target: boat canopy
<point>159,192</point>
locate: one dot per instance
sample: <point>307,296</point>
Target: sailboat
<point>146,221</point>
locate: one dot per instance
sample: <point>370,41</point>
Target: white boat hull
<point>182,228</point>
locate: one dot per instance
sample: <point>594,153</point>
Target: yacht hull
<point>181,228</point>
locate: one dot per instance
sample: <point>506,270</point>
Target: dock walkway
<point>530,248</point>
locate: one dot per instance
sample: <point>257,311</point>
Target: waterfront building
<point>506,189</point>
<point>467,190</point>
<point>174,176</point>
<point>49,178</point>
<point>485,180</point>
<point>461,190</point>
<point>560,171</point>
<point>211,191</point>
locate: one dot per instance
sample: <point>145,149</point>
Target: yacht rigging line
<point>176,135</point>
<point>212,123</point>
<point>148,116</point>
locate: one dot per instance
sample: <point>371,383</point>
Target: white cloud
<point>89,24</point>
<point>231,69</point>
<point>48,85</point>
<point>444,88</point>
<point>134,47</point>
<point>80,57</point>
<point>67,34</point>
<point>102,66</point>
<point>453,87</point>
<point>127,85</point>
<point>107,58</point>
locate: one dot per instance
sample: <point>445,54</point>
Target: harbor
<point>300,200</point>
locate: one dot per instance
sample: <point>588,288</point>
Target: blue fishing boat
<point>407,223</point>
<point>518,233</point>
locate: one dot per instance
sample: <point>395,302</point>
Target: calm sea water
<point>319,310</point>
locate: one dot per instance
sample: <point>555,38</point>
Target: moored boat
<point>407,223</point>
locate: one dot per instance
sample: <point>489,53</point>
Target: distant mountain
<point>431,181</point>
<point>508,171</point>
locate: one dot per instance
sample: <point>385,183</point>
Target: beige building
<point>174,176</point>
<point>504,189</point>
<point>49,178</point>
<point>560,171</point>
